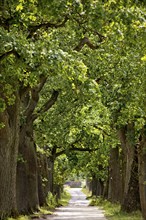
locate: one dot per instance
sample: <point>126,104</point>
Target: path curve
<point>77,209</point>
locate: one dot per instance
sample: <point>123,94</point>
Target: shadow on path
<point>77,209</point>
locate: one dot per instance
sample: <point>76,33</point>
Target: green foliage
<point>65,197</point>
<point>86,192</point>
<point>101,89</point>
<point>113,211</point>
<point>45,210</point>
<point>61,170</point>
<point>51,201</point>
<point>21,217</point>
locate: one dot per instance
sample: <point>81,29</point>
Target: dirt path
<point>77,209</point>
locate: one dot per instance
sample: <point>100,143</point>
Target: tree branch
<point>34,98</point>
<point>86,41</point>
<point>101,37</point>
<point>33,29</point>
<point>50,102</point>
<point>60,153</point>
<point>81,149</point>
<point>9,53</point>
<point>99,128</point>
<point>47,105</point>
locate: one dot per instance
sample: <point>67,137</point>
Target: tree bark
<point>115,180</point>
<point>94,185</point>
<point>27,174</point>
<point>142,172</point>
<point>51,172</point>
<point>43,179</point>
<point>127,159</point>
<point>97,186</point>
<point>9,139</point>
<point>89,184</point>
<point>130,201</point>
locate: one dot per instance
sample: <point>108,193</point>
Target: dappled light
<point>78,208</point>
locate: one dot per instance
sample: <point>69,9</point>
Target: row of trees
<point>72,79</point>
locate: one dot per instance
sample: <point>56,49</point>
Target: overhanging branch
<point>33,29</point>
<point>60,153</point>
<point>85,41</point>
<point>34,97</point>
<point>73,148</point>
<point>4,55</point>
<point>49,103</point>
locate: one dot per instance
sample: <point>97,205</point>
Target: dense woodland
<point>72,100</point>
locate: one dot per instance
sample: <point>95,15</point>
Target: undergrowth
<point>113,211</point>
<point>86,192</point>
<point>65,197</point>
<point>21,217</point>
<point>51,204</point>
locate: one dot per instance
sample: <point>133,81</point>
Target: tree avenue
<point>72,97</point>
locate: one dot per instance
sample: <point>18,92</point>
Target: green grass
<point>65,197</point>
<point>52,204</point>
<point>113,211</point>
<point>86,192</point>
<point>49,208</point>
<point>21,217</point>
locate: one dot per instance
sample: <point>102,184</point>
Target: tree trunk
<point>9,139</point>
<point>115,183</point>
<point>57,191</point>
<point>27,175</point>
<point>128,154</point>
<point>89,184</point>
<point>43,178</point>
<point>27,170</point>
<point>100,188</point>
<point>131,200</point>
<point>142,173</point>
<point>51,172</point>
<point>97,186</point>
<point>127,159</point>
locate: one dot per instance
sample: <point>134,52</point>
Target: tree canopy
<point>72,77</point>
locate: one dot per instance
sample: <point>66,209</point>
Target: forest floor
<point>78,208</point>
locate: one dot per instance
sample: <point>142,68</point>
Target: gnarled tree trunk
<point>130,201</point>
<point>27,174</point>
<point>97,186</point>
<point>9,139</point>
<point>27,170</point>
<point>142,172</point>
<point>115,180</point>
<point>51,172</point>
<point>43,178</point>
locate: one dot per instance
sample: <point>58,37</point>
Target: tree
<point>62,50</point>
<point>123,80</point>
<point>27,60</point>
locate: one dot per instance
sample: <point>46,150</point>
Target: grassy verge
<point>52,203</point>
<point>21,217</point>
<point>113,211</point>
<point>65,197</point>
<point>48,209</point>
<point>86,192</point>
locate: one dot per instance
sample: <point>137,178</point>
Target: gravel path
<point>77,209</point>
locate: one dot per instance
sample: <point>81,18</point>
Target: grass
<point>48,209</point>
<point>52,204</point>
<point>65,197</point>
<point>86,192</point>
<point>113,211</point>
<point>21,217</point>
